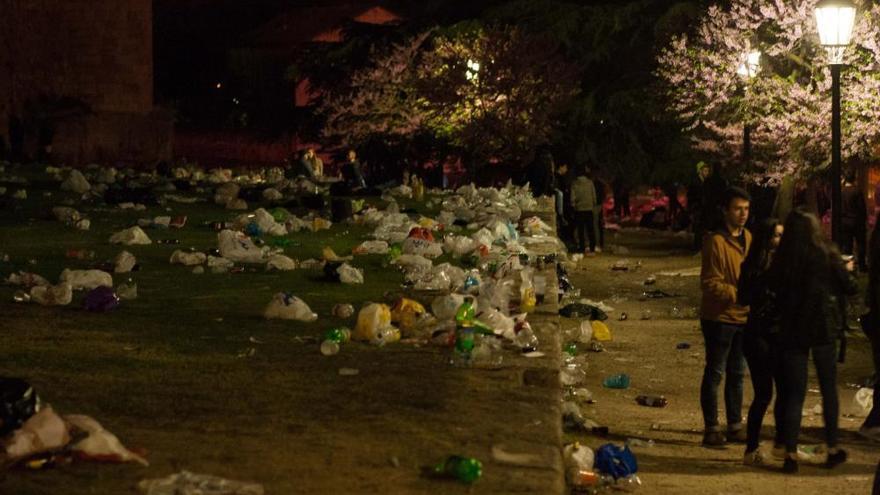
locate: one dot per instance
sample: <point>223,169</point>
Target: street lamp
<point>834,20</point>
<point>747,70</point>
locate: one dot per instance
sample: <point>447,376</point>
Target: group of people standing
<point>771,300</point>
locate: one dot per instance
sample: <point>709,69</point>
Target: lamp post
<point>747,70</point>
<point>834,20</point>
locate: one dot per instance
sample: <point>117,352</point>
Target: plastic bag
<point>617,462</point>
<point>52,295</point>
<point>349,274</point>
<point>86,279</point>
<point>124,262</point>
<point>371,247</point>
<point>66,214</point>
<point>577,456</point>
<point>500,323</point>
<point>26,279</point>
<point>445,307</point>
<point>601,332</point>
<point>226,193</point>
<point>101,299</point>
<point>527,298</point>
<point>496,294</point>
<point>188,258</point>
<point>100,444</point>
<point>407,313</point>
<point>219,264</point>
<point>371,319</point>
<point>44,431</point>
<point>76,182</point>
<point>458,245</point>
<point>281,263</point>
<point>238,247</point>
<point>423,247</point>
<point>286,306</point>
<point>187,483</point>
<point>130,236</point>
<point>272,194</point>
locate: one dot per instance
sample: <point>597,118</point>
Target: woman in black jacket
<point>760,344</point>
<point>811,283</point>
<point>871,427</point>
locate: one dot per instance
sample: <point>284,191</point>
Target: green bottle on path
<point>464,469</point>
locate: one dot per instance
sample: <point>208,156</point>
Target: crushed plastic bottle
<point>578,394</point>
<point>333,339</point>
<point>464,469</point>
<point>620,381</point>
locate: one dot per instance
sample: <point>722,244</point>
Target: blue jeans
<point>794,390</point>
<point>724,356</point>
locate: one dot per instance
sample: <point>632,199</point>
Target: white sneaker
<point>870,432</point>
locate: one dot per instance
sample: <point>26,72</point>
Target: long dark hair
<point>759,253</point>
<point>802,251</point>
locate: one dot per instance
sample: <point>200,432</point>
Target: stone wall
<point>96,52</point>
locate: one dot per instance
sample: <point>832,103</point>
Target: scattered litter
<point>101,299</point>
<point>179,257</point>
<point>683,345</point>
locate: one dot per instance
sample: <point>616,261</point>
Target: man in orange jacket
<point>722,319</point>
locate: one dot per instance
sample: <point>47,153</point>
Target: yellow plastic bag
<point>406,314</point>
<point>371,319</point>
<point>601,332</point>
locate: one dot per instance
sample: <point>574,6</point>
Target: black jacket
<point>814,312</point>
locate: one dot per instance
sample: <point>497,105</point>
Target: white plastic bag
<point>289,307</point>
<point>371,247</point>
<point>422,247</point>
<point>124,262</point>
<point>100,443</point>
<point>131,236</point>
<point>281,263</point>
<point>44,431</point>
<point>349,274</point>
<point>52,295</point>
<point>239,247</point>
<point>76,182</point>
<point>184,258</point>
<point>444,307</point>
<point>86,279</point>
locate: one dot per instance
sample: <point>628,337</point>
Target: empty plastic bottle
<point>464,469</point>
<point>652,400</point>
<point>466,313</point>
<point>617,381</point>
<point>333,339</point>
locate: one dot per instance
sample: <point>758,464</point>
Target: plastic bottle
<point>525,337</point>
<point>581,394</point>
<point>617,381</point>
<point>577,456</point>
<point>333,339</point>
<point>464,469</point>
<point>652,400</point>
<point>466,313</point>
<point>570,348</point>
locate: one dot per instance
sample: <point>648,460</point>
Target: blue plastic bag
<point>617,462</point>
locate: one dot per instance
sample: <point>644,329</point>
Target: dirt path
<point>646,350</point>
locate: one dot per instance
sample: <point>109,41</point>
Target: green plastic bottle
<point>464,469</point>
<point>466,313</point>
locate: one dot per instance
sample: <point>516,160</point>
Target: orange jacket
<point>722,258</point>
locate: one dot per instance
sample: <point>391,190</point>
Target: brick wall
<point>99,51</point>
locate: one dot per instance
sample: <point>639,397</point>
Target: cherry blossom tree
<point>787,105</point>
<point>489,93</point>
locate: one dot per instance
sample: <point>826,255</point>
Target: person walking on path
<point>871,324</point>
<point>722,319</point>
<point>854,219</point>
<point>812,283</point>
<point>583,202</point>
<point>760,335</point>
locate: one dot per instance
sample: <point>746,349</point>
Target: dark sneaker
<point>835,459</point>
<point>789,466</point>
<point>737,436</point>
<point>714,440</point>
